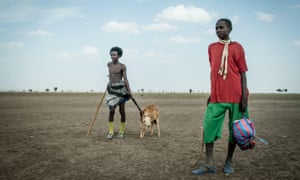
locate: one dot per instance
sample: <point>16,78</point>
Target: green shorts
<point>214,120</point>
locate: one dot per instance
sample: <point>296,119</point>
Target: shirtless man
<point>118,91</point>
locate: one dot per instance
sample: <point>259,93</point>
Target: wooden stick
<point>201,153</point>
<point>93,122</point>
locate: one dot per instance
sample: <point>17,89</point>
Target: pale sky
<point>66,43</point>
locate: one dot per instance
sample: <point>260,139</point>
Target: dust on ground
<point>44,136</point>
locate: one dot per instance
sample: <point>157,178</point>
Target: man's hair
<point>118,50</point>
<point>227,21</point>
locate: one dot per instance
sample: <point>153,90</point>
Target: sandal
<point>109,136</point>
<point>205,169</point>
<point>227,169</point>
<point>120,135</point>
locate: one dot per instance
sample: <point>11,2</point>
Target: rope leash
<point>136,104</point>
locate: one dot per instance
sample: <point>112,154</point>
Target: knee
<point>111,109</point>
<point>122,111</point>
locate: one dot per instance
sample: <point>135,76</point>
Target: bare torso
<point>117,72</point>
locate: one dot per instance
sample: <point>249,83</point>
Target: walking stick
<point>92,123</point>
<point>201,153</point>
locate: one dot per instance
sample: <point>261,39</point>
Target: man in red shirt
<point>228,92</point>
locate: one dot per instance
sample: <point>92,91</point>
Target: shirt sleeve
<point>240,58</point>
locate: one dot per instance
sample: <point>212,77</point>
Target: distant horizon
<point>66,43</point>
<point>137,91</point>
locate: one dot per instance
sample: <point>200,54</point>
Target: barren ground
<point>44,136</point>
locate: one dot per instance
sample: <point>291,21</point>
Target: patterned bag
<point>244,133</point>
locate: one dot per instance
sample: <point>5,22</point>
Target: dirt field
<point>44,136</point>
